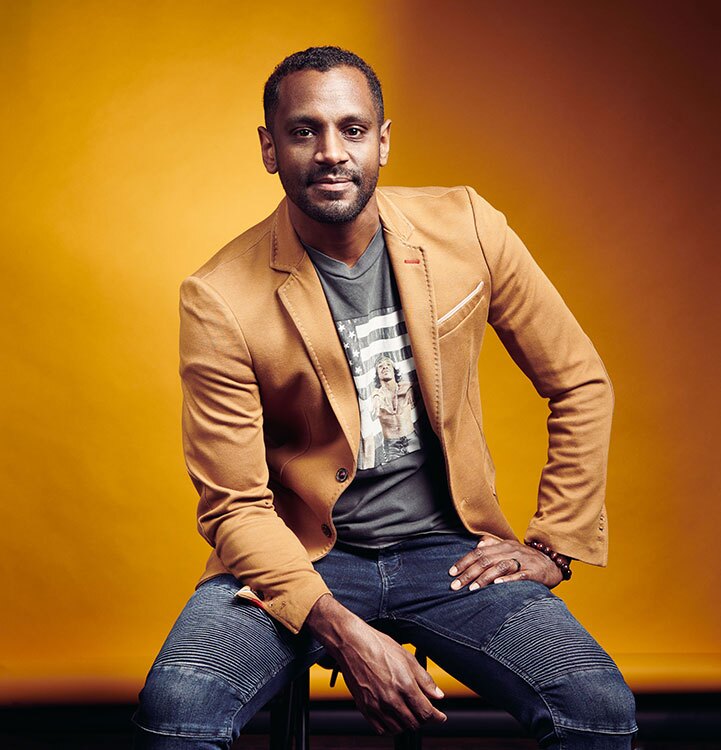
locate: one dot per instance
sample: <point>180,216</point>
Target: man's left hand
<point>501,561</point>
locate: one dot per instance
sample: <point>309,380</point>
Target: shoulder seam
<point>480,242</point>
<point>239,254</point>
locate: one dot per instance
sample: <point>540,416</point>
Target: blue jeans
<point>515,644</point>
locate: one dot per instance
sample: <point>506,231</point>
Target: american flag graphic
<point>389,407</point>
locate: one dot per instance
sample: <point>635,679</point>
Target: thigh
<point>222,661</point>
<point>517,645</point>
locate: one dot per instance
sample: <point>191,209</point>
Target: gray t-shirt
<point>400,489</point>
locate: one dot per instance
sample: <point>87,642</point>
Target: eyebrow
<point>301,119</point>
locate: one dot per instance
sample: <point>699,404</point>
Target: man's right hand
<point>389,686</point>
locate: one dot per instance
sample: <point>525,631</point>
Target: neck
<point>345,242</point>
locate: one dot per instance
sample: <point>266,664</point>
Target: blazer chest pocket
<point>460,311</point>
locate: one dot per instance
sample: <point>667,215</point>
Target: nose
<point>331,149</point>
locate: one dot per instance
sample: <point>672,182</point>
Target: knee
<point>183,701</point>
<point>597,700</point>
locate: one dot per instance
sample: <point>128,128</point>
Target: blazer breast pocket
<point>465,307</point>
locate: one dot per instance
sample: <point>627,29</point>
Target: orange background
<point>130,156</point>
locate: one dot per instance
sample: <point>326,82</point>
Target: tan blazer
<point>270,418</point>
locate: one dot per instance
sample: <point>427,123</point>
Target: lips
<point>332,179</point>
<point>332,185</point>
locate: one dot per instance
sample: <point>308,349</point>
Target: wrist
<point>328,621</point>
<point>562,562</point>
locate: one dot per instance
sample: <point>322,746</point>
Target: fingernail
<point>473,586</point>
<point>456,585</point>
<point>481,543</point>
<point>499,580</point>
<point>439,692</point>
<point>453,571</point>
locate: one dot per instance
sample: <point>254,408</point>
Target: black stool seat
<point>290,711</point>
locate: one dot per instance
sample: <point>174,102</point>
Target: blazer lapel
<point>302,296</point>
<point>413,278</point>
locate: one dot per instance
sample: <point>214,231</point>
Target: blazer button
<point>341,475</point>
<point>326,530</point>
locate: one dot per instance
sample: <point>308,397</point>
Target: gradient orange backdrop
<point>130,155</point>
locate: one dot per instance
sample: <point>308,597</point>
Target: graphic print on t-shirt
<point>379,353</point>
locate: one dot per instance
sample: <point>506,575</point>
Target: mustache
<point>334,174</point>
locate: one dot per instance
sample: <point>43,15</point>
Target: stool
<point>290,710</point>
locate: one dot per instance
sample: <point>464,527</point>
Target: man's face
<point>327,145</point>
<point>385,371</point>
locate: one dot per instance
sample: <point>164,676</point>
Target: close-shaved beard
<point>334,209</point>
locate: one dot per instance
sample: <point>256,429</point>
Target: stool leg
<point>301,710</point>
<point>289,714</point>
<point>281,719</point>
<point>407,740</point>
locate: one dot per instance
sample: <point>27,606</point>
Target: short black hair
<point>321,59</point>
<point>396,371</point>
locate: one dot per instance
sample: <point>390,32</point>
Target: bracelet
<point>555,557</point>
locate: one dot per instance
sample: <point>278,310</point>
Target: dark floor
<point>456,743</point>
<point>335,742</point>
<point>667,722</point>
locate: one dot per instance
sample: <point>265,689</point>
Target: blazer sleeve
<point>225,455</point>
<point>547,343</point>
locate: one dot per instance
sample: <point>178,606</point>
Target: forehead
<point>329,94</point>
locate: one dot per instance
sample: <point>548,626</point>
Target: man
<point>392,408</point>
<point>339,549</point>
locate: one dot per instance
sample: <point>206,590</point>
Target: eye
<point>303,132</point>
<point>354,131</point>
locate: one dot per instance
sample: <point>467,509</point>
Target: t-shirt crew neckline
<point>339,269</point>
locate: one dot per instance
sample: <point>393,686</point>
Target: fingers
<point>471,557</point>
<point>425,681</point>
<point>520,576</point>
<point>408,708</point>
<point>486,562</point>
<point>502,561</point>
<point>477,577</point>
<point>390,687</point>
<point>423,711</point>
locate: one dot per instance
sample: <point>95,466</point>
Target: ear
<point>267,149</point>
<point>385,142</point>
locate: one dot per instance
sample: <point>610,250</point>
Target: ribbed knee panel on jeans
<point>219,657</point>
<point>580,683</point>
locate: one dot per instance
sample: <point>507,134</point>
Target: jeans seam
<point>201,670</point>
<point>517,613</point>
<point>438,631</point>
<point>384,590</point>
<point>520,673</point>
<point>607,732</point>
